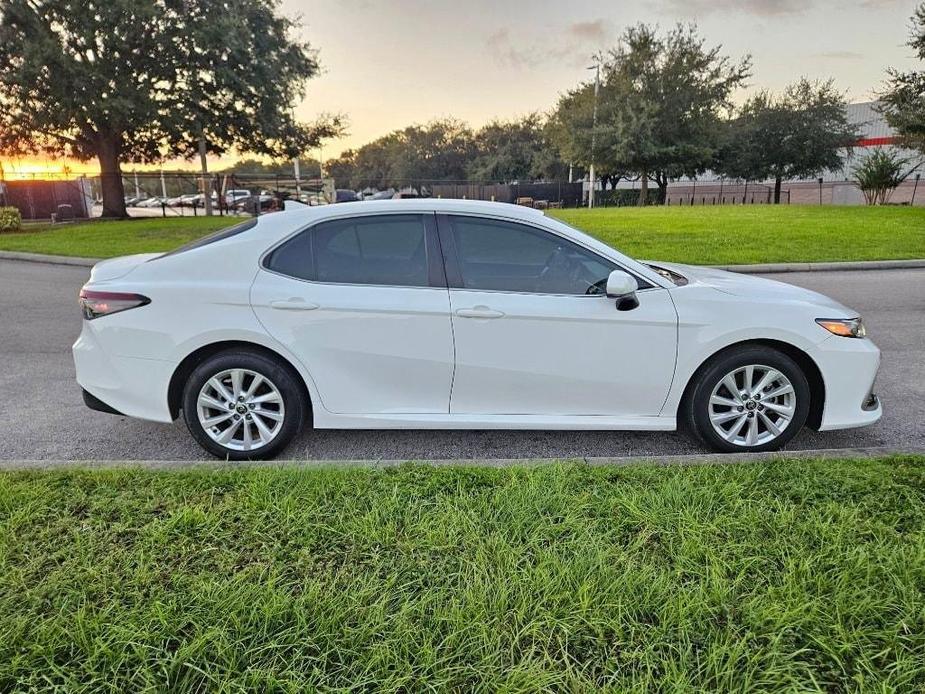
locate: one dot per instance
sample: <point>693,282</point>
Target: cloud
<point>598,31</point>
<point>841,55</point>
<point>880,4</point>
<point>576,44</point>
<point>764,8</point>
<point>761,8</point>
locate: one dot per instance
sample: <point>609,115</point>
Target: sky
<point>386,65</point>
<point>390,64</point>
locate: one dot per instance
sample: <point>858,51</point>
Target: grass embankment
<point>738,235</point>
<point>697,235</point>
<point>782,575</point>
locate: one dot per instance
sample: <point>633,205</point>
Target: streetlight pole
<point>204,166</point>
<point>597,86</point>
<point>298,179</point>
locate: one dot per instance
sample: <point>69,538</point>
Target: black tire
<point>281,376</point>
<point>694,415</point>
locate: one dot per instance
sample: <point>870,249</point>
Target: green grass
<point>798,575</point>
<point>757,233</point>
<point>698,235</point>
<point>107,239</point>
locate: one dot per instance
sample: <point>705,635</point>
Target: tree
<point>660,103</point>
<point>903,104</point>
<point>880,173</point>
<point>514,150</point>
<point>437,151</point>
<point>145,80</point>
<point>798,134</point>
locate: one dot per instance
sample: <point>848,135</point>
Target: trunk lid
<point>114,268</point>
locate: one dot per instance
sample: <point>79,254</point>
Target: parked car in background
<point>233,197</point>
<point>449,314</point>
<point>345,195</point>
<point>155,201</point>
<point>188,200</point>
<point>380,195</point>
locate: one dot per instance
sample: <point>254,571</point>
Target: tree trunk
<point>111,178</point>
<point>777,191</point>
<point>662,183</point>
<point>643,188</point>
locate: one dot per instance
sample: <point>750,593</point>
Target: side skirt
<point>327,420</point>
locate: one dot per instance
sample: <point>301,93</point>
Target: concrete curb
<point>759,269</point>
<point>770,268</point>
<point>664,460</point>
<point>49,259</point>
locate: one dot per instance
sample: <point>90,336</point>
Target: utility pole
<point>597,86</point>
<point>137,190</point>
<point>206,188</point>
<point>298,175</point>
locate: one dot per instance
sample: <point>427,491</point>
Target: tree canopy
<point>144,80</point>
<point>661,100</point>
<point>449,150</point>
<point>904,101</point>
<point>797,134</point>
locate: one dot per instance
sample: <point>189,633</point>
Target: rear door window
<point>375,250</point>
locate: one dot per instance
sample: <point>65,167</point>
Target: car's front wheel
<point>752,399</point>
<point>242,405</point>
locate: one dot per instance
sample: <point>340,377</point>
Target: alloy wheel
<point>240,409</point>
<point>752,405</point>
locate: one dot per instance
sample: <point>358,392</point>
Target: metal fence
<point>177,194</point>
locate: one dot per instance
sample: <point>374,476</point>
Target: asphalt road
<point>42,415</point>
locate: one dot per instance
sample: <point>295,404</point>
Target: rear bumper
<point>94,403</point>
<point>849,370</point>
<point>121,385</point>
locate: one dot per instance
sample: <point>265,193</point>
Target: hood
<point>757,288</point>
<point>119,267</point>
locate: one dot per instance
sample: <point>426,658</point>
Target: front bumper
<point>128,385</point>
<point>849,369</point>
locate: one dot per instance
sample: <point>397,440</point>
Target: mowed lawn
<point>756,233</point>
<point>780,575</point>
<point>107,239</point>
<point>698,235</point>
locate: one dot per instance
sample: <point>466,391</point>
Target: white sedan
<point>444,314</point>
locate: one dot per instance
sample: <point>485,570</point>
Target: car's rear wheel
<point>242,405</point>
<point>750,399</point>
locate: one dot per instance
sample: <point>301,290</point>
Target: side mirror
<point>622,287</point>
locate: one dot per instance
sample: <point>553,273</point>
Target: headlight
<point>845,327</point>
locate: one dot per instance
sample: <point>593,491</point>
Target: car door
<point>535,334</point>
<point>362,302</point>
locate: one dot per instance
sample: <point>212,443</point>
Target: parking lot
<point>43,416</point>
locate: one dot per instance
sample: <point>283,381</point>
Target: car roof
<point>498,209</point>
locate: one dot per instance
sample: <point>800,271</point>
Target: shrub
<point>625,197</point>
<point>10,219</point>
<point>879,174</point>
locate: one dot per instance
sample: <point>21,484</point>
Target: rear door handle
<point>478,312</point>
<point>293,305</point>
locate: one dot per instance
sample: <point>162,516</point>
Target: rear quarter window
<point>219,235</point>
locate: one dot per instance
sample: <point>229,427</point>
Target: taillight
<point>95,304</point>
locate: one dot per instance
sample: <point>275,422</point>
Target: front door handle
<point>478,312</point>
<point>293,304</point>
